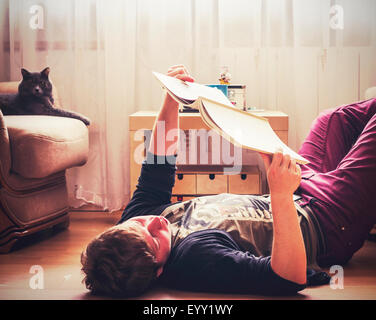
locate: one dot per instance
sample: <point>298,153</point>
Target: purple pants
<point>339,183</point>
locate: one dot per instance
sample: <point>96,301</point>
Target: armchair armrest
<point>5,157</point>
<point>35,151</point>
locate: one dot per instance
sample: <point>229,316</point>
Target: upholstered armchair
<point>35,151</point>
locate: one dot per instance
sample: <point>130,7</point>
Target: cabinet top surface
<point>154,113</point>
<point>145,119</point>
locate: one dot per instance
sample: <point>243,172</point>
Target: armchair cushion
<point>44,145</point>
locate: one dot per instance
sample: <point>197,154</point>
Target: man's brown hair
<point>119,263</point>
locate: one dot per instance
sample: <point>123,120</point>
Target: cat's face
<point>35,84</point>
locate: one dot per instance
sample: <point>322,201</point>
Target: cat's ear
<point>25,73</point>
<point>45,72</point>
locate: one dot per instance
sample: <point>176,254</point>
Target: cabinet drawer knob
<point>212,176</point>
<point>180,176</point>
<point>243,176</point>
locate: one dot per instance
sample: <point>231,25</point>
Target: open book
<point>239,127</point>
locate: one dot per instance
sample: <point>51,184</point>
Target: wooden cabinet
<point>199,179</point>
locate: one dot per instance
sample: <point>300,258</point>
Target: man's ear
<point>25,73</point>
<point>45,72</point>
<point>159,271</point>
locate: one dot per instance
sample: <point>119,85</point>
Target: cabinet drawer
<point>211,183</point>
<point>247,183</point>
<point>184,184</point>
<point>181,198</point>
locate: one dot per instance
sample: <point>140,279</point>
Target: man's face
<point>157,235</point>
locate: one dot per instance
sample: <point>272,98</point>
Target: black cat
<point>35,98</point>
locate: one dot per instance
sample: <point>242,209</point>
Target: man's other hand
<point>283,173</point>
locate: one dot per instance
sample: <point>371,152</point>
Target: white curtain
<point>294,55</point>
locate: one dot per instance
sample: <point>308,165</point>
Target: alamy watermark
<point>195,147</point>
<point>37,280</point>
<point>337,277</point>
<point>337,17</point>
<point>36,20</point>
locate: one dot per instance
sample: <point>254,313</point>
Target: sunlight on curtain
<point>101,55</point>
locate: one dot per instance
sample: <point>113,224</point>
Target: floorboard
<point>59,256</point>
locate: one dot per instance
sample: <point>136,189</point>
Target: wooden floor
<point>59,256</point>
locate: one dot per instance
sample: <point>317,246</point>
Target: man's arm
<point>167,122</point>
<point>153,191</point>
<point>288,253</point>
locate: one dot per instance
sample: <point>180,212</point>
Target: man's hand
<point>283,173</point>
<point>167,123</point>
<point>180,72</point>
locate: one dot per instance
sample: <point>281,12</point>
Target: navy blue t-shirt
<point>211,261</point>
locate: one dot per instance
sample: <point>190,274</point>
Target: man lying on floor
<point>244,243</point>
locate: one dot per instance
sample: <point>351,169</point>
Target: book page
<point>248,130</point>
<point>189,92</point>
